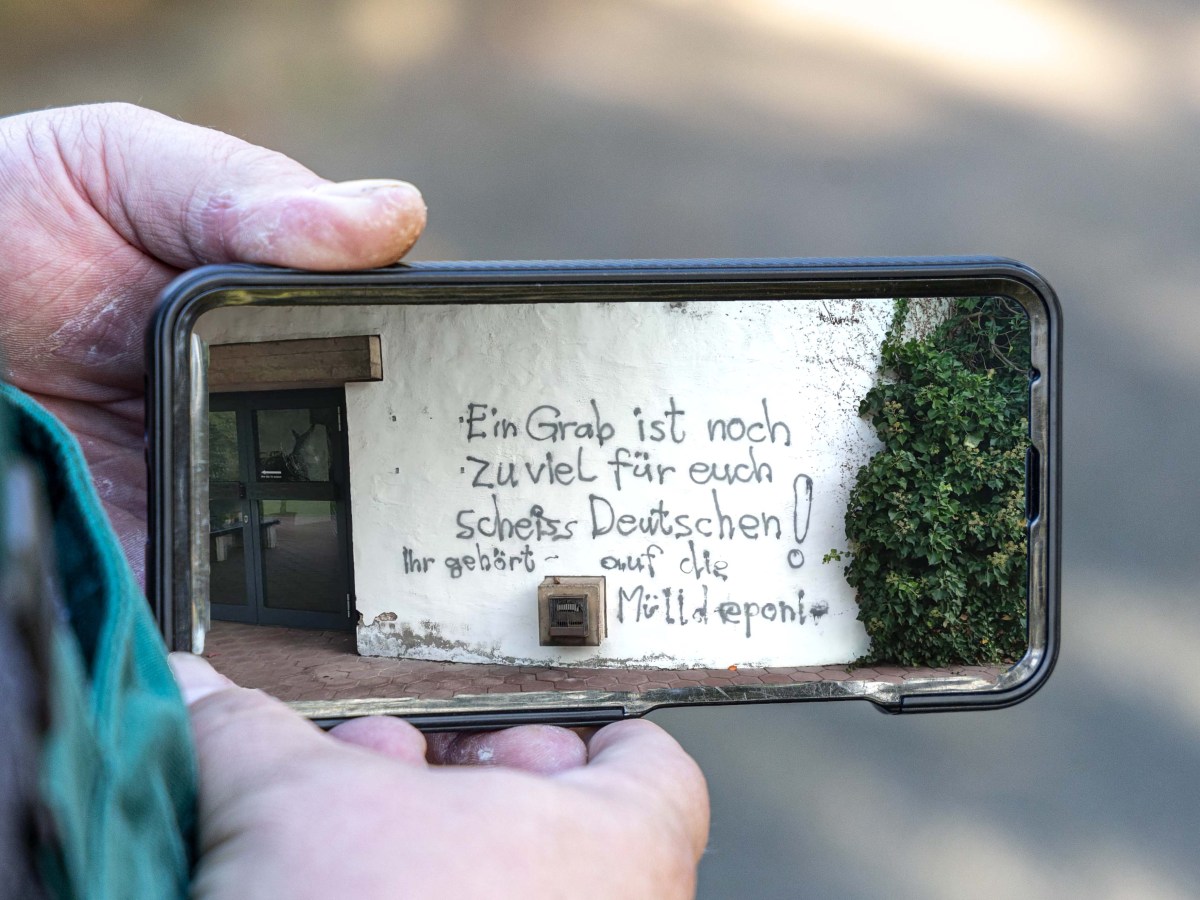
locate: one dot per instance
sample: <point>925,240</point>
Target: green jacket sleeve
<point>118,775</point>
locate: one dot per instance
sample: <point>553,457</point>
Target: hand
<point>100,207</point>
<point>286,811</point>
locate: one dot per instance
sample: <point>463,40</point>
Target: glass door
<point>279,523</point>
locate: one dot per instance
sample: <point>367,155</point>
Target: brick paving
<point>301,664</point>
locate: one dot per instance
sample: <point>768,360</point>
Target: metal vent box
<point>571,611</point>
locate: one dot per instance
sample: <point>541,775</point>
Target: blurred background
<point>1060,133</point>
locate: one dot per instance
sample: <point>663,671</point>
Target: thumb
<point>188,195</point>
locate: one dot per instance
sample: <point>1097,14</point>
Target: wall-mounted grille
<point>568,617</point>
<point>571,611</point>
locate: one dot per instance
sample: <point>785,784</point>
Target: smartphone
<point>484,493</point>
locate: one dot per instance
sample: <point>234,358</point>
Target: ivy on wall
<point>936,519</point>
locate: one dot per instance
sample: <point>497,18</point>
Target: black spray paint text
<point>682,606</point>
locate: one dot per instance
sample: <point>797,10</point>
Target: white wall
<point>428,443</point>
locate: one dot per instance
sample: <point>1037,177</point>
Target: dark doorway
<point>279,545</point>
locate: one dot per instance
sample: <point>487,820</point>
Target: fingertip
<point>620,736</point>
<point>541,749</point>
<point>639,757</point>
<point>328,226</point>
<point>389,215</point>
<point>195,677</point>
<point>390,736</point>
<point>643,745</point>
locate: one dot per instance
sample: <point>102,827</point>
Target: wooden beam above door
<point>288,365</point>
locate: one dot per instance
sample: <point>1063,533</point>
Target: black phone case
<point>167,434</point>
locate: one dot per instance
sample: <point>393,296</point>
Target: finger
<point>188,195</point>
<point>637,762</point>
<point>196,677</point>
<point>544,749</point>
<point>244,739</point>
<point>390,736</point>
